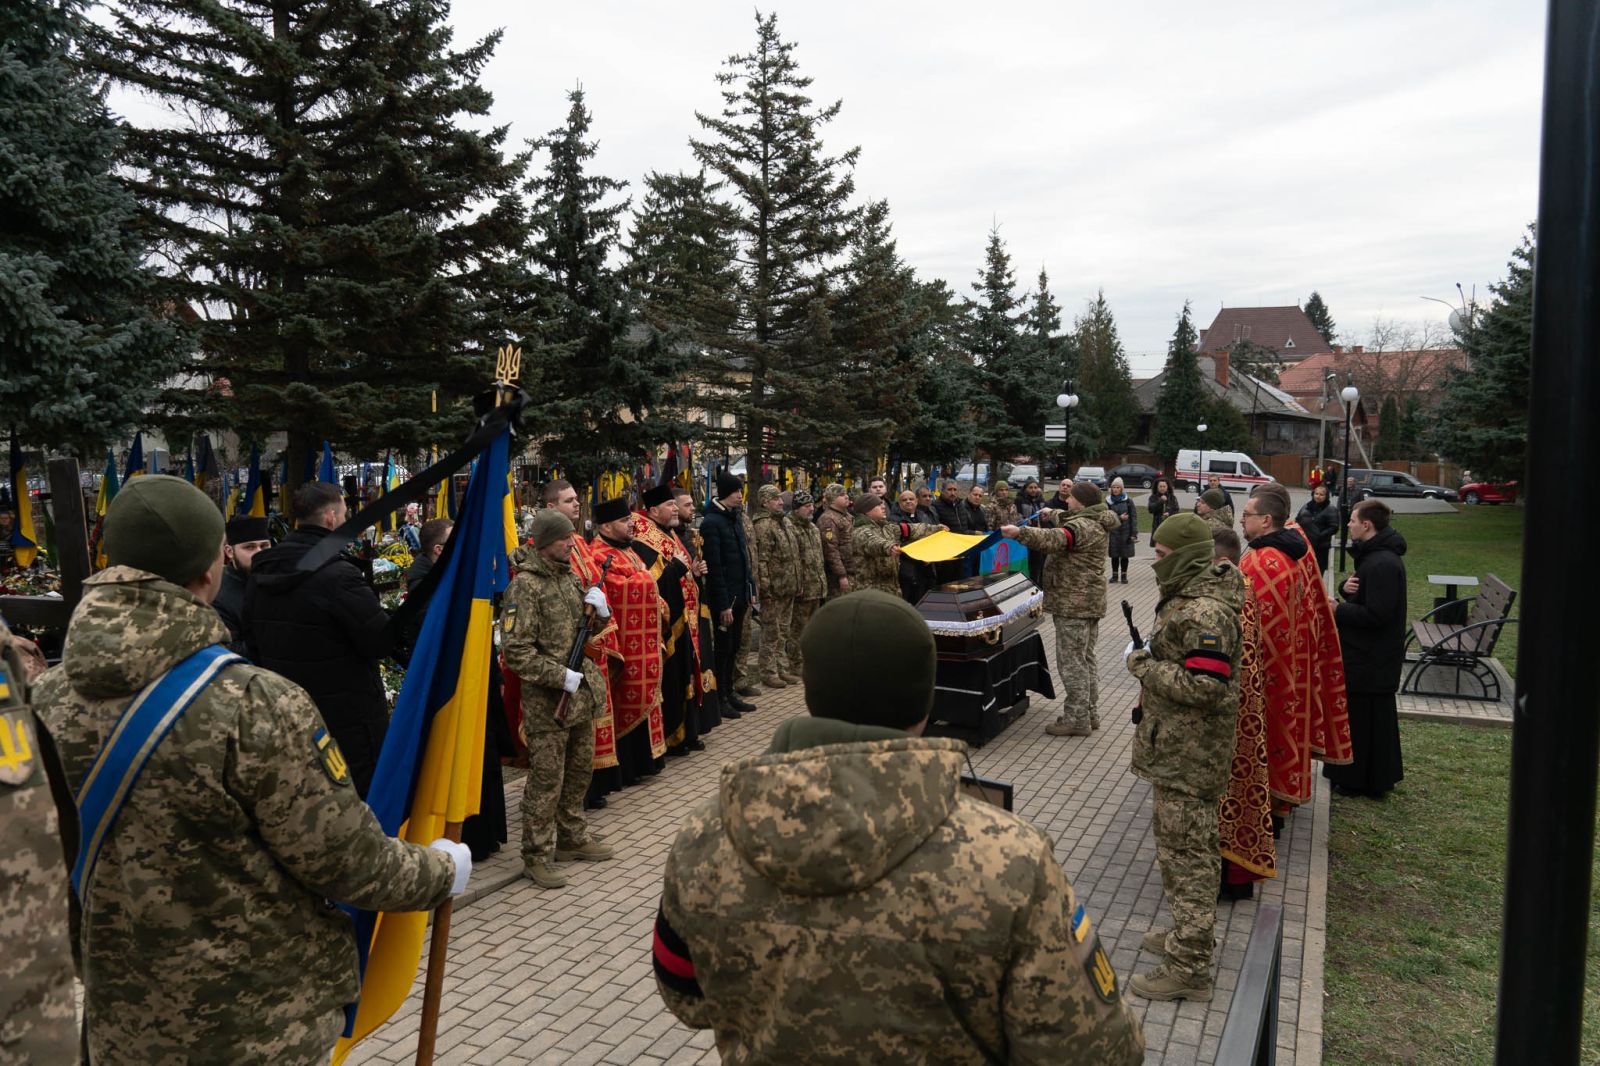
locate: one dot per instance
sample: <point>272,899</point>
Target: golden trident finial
<point>507,368</point>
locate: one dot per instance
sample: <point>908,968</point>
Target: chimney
<point>1338,349</point>
<point>1221,359</point>
<point>1357,349</point>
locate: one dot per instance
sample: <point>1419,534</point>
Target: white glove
<point>462,855</point>
<point>1129,650</point>
<point>596,598</point>
<point>573,680</point>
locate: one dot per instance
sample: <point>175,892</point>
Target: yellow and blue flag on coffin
<point>255,494</point>
<point>135,465</point>
<point>430,770</point>
<point>24,537</point>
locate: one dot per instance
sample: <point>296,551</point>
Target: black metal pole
<point>1555,741</point>
<point>1345,502</point>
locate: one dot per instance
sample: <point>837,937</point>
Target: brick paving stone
<point>569,977</point>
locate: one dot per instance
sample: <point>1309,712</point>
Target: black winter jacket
<point>1120,543</point>
<point>1320,522</point>
<point>960,516</point>
<point>229,606</point>
<point>1372,623</point>
<point>324,630</point>
<point>728,577</point>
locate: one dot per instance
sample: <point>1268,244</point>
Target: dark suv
<point>1371,483</point>
<point>1135,475</point>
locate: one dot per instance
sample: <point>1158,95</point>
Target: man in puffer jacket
<point>842,896</point>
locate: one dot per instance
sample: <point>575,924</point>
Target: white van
<point>1236,469</point>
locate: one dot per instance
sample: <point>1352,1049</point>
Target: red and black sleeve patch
<point>1071,540</point>
<point>905,530</point>
<point>674,968</point>
<point>1208,661</point>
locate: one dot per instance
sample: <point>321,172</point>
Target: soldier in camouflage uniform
<point>836,525</point>
<point>1075,595</point>
<point>1213,506</point>
<point>1189,688</point>
<point>841,900</point>
<point>877,543</point>
<point>777,584</point>
<point>812,576</point>
<point>207,930</point>
<point>746,663</point>
<point>38,1022</point>
<point>543,609</point>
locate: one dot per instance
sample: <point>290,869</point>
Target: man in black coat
<point>323,629</point>
<point>246,538</point>
<point>729,584</point>
<point>1372,632</point>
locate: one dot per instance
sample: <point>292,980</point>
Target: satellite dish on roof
<point>1459,322</point>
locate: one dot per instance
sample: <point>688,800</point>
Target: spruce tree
<point>1320,317</point>
<point>1226,428</point>
<point>1009,405</point>
<point>83,350</point>
<point>792,216</point>
<point>1183,403</point>
<point>1388,445</point>
<point>1482,421</point>
<point>1105,380</point>
<point>347,240</point>
<point>941,431</point>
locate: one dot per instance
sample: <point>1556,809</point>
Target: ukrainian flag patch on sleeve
<point>331,757</point>
<point>5,685</point>
<point>1080,924</point>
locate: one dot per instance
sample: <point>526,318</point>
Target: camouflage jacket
<point>838,554</point>
<point>877,565</point>
<point>1219,517</point>
<point>751,556</point>
<point>542,608</point>
<point>1002,512</point>
<point>812,574</point>
<point>1075,561</point>
<point>842,896</point>
<point>38,1021</point>
<point>778,575</point>
<point>207,931</point>
<point>1189,680</point>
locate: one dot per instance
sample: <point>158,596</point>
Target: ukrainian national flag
<point>326,471</point>
<point>102,504</point>
<point>24,535</point>
<point>255,494</point>
<point>206,464</point>
<point>135,465</point>
<point>430,770</point>
<point>387,523</point>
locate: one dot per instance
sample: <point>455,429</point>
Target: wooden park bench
<point>1464,649</point>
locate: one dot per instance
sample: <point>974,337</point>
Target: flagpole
<point>508,365</point>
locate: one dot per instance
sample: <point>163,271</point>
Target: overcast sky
<point>1225,153</point>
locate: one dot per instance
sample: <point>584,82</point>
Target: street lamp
<point>1200,468</point>
<point>1349,394</point>
<point>1066,400</point>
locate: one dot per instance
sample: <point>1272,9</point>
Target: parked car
<point>1489,492</point>
<point>967,473</point>
<point>1136,475</point>
<point>1020,474</point>
<point>1095,475</point>
<point>1369,483</point>
<point>1237,471</point>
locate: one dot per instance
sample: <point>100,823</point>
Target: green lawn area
<point>1476,541</point>
<point>1414,909</point>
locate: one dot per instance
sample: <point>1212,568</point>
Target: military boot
<point>774,681</point>
<point>793,679</point>
<point>1155,941</point>
<point>1063,728</point>
<point>1162,983</point>
<point>590,852</point>
<point>543,874</point>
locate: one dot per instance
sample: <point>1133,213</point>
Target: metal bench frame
<point>1465,649</point>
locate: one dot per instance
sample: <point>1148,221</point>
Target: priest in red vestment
<point>1301,664</point>
<point>666,560</point>
<point>635,678</point>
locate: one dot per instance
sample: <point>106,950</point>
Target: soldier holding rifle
<point>544,608</point>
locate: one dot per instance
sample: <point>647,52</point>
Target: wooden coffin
<point>977,616</point>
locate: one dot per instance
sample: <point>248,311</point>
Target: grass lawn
<point>1414,909</point>
<point>1476,541</point>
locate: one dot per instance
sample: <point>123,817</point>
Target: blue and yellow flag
<point>24,536</point>
<point>135,465</point>
<point>430,770</point>
<point>255,494</point>
<point>391,481</point>
<point>326,472</point>
<point>206,463</point>
<point>108,486</point>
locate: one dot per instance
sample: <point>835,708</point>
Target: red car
<point>1485,492</point>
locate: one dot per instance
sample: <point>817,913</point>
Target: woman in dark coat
<point>1162,503</point>
<point>1372,635</point>
<point>1320,520</point>
<point>1125,537</point>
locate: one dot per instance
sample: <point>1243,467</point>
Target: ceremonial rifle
<point>1138,642</point>
<point>579,642</point>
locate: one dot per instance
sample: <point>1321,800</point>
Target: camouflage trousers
<point>1188,853</point>
<point>744,660</point>
<point>1077,671</point>
<point>560,766</point>
<point>776,617</point>
<point>803,610</point>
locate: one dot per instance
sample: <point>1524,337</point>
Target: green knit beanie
<point>1189,537</point>
<point>869,659</point>
<point>1214,499</point>
<point>549,526</point>
<point>164,525</point>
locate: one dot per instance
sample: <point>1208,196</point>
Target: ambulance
<point>1236,469</point>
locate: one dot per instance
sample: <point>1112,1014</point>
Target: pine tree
<point>792,215</point>
<point>602,396</point>
<point>347,240</point>
<point>1105,380</point>
<point>1226,428</point>
<point>82,350</point>
<point>1183,403</point>
<point>1412,426</point>
<point>1482,421</point>
<point>1015,385</point>
<point>1320,317</point>
<point>941,430</point>
<point>1388,445</point>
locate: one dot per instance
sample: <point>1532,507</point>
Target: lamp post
<point>1349,394</point>
<point>1200,466</point>
<point>1066,400</point>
